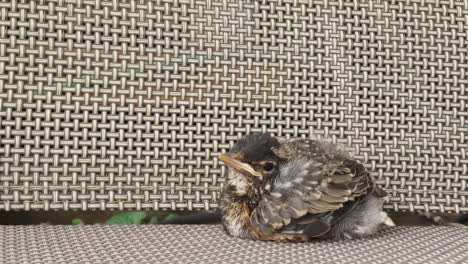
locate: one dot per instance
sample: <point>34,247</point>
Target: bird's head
<point>252,159</point>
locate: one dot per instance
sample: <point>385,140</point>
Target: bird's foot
<point>255,233</point>
<point>285,238</point>
<point>293,238</point>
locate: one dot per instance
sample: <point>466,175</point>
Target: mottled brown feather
<point>300,205</point>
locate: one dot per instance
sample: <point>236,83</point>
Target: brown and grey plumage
<point>296,190</point>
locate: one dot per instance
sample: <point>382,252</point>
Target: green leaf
<point>77,221</point>
<point>153,220</point>
<point>128,218</point>
<point>171,216</point>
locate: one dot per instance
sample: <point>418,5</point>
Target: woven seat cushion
<point>209,244</point>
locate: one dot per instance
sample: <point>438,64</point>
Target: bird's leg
<point>276,236</point>
<point>285,238</point>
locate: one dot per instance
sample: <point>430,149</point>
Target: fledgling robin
<point>296,190</point>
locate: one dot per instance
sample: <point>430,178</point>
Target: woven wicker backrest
<point>126,104</point>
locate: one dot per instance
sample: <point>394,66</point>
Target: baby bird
<point>297,190</point>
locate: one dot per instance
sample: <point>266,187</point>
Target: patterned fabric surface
<point>209,244</point>
<point>126,104</point>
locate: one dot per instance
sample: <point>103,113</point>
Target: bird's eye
<point>268,166</point>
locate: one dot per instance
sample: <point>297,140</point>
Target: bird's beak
<point>237,165</point>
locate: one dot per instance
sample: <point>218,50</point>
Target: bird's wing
<point>311,187</point>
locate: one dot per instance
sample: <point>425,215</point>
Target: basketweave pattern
<point>126,104</point>
<point>211,245</point>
